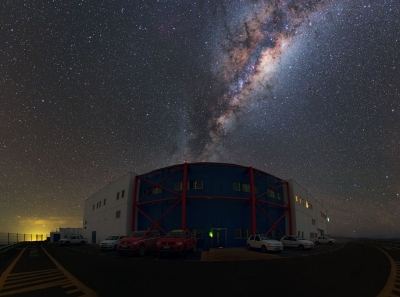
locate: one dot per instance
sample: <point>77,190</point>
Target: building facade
<point>222,204</point>
<point>109,211</point>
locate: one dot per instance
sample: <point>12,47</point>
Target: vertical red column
<point>134,199</point>
<point>253,202</point>
<point>184,188</point>
<point>290,208</point>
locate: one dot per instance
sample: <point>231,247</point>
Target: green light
<point>210,233</point>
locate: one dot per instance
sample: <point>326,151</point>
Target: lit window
<point>297,198</point>
<point>307,204</point>
<point>271,193</point>
<point>236,186</point>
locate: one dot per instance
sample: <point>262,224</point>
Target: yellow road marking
<point>9,268</point>
<point>390,283</point>
<point>40,276</point>
<point>73,279</point>
<point>34,282</point>
<point>38,287</point>
<point>37,272</point>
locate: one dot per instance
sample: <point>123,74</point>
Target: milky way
<point>253,51</point>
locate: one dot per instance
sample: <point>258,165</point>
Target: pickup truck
<point>73,239</point>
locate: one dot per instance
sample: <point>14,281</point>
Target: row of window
<point>323,215</point>
<point>303,202</point>
<point>122,194</point>
<point>313,222</point>
<point>98,204</point>
<point>198,184</point>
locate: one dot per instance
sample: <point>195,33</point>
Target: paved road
<point>353,269</point>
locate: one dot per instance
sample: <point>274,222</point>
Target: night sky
<point>302,89</point>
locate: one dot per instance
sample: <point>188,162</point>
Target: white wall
<point>306,220</point>
<point>102,218</point>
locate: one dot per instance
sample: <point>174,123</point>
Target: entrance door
<point>219,238</point>
<point>93,236</point>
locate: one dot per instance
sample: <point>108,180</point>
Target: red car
<point>138,242</point>
<point>176,241</point>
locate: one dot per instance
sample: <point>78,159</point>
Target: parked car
<point>73,239</point>
<point>110,243</point>
<point>263,243</point>
<point>139,242</point>
<point>324,240</point>
<point>292,241</point>
<point>176,241</point>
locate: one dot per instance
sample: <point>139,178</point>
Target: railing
<point>11,238</point>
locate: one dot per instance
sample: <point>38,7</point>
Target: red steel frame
<point>182,198</point>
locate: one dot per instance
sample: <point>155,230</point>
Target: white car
<point>263,243</point>
<point>324,240</point>
<point>292,241</point>
<point>110,243</point>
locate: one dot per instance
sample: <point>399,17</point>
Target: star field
<point>308,90</point>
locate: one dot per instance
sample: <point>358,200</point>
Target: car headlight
<point>158,243</point>
<point>178,243</point>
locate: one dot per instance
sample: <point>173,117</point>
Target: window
<point>297,198</point>
<point>298,233</point>
<point>123,194</point>
<point>104,202</point>
<point>118,214</point>
<point>278,196</point>
<point>198,184</point>
<point>312,221</point>
<point>310,206</point>
<point>117,195</point>
<point>156,191</point>
<point>198,233</point>
<point>243,187</point>
<point>99,203</point>
<point>271,193</point>
<point>323,215</point>
<point>178,186</point>
<point>93,206</point>
<point>246,188</point>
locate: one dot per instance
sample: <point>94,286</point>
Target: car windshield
<point>137,234</point>
<point>175,234</point>
<point>265,237</point>
<point>112,238</point>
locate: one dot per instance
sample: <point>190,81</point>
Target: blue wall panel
<point>209,211</point>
